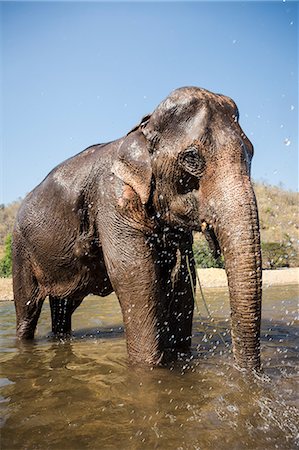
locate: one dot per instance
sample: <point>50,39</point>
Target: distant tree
<point>6,261</point>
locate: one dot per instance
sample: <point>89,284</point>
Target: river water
<point>82,393</point>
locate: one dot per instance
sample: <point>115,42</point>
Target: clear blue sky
<point>75,74</point>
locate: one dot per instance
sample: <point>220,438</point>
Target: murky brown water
<point>82,394</point>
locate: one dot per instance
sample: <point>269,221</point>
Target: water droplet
<point>287,142</point>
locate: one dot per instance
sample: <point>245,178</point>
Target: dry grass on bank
<point>279,213</point>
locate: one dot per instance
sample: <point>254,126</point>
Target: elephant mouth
<point>211,238</point>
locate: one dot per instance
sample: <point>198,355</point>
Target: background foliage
<point>203,256</point>
<point>6,260</point>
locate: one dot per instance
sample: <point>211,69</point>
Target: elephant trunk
<point>236,226</point>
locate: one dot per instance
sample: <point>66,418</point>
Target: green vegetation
<point>6,261</point>
<point>7,219</point>
<point>276,255</point>
<point>203,255</point>
<point>278,211</point>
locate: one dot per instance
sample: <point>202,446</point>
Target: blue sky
<point>75,74</point>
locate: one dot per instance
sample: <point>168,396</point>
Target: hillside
<point>278,210</point>
<point>7,218</point>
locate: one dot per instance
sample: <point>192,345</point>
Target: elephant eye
<point>191,161</point>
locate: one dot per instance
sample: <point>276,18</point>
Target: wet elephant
<point>120,216</point>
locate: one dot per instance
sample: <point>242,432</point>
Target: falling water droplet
<point>287,142</point>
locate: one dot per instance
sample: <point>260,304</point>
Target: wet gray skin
<point>83,393</point>
<point>120,216</point>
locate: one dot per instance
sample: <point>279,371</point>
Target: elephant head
<point>189,162</point>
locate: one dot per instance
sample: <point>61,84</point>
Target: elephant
<point>120,217</point>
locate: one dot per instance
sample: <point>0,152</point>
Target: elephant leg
<point>134,271</point>
<point>28,312</point>
<point>61,314</point>
<point>181,306</point>
<point>28,299</point>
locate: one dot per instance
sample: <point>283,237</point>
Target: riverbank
<point>209,278</point>
<point>214,278</point>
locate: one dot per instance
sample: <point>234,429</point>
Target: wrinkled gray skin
<point>120,217</point>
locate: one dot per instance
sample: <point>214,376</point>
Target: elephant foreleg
<point>134,271</point>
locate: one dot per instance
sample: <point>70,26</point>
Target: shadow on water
<point>82,393</point>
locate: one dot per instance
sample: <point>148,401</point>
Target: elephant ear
<point>143,122</point>
<point>133,165</point>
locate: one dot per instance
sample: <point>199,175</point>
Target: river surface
<point>83,394</point>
